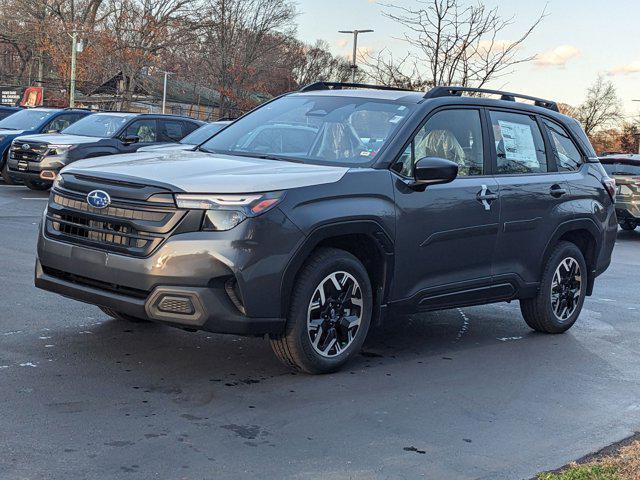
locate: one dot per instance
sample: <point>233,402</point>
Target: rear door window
<point>568,157</point>
<point>518,143</point>
<point>171,131</point>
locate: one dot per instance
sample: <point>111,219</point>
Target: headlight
<point>58,182</point>
<point>226,211</point>
<point>59,149</point>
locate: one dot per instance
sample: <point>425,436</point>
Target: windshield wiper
<point>263,156</point>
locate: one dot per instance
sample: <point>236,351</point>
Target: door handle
<point>486,196</point>
<point>557,191</point>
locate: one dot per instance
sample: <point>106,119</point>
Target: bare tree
<point>141,30</point>
<point>241,45</point>
<point>454,44</point>
<point>317,63</point>
<point>601,108</point>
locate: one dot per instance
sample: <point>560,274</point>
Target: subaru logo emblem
<point>26,146</point>
<point>98,199</point>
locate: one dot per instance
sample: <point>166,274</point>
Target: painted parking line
<point>35,198</point>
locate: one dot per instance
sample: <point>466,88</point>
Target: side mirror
<point>130,139</point>
<point>434,170</point>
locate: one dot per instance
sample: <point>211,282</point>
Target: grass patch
<point>583,472</point>
<point>619,462</point>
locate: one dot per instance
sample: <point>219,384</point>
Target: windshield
<point>314,129</point>
<point>203,133</point>
<point>98,125</point>
<point>26,119</point>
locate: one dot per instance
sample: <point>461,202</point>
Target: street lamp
<point>355,33</point>
<point>164,90</point>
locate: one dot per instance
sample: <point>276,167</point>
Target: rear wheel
<point>562,291</point>
<point>330,313</point>
<point>628,225</point>
<point>37,185</point>
<point>5,171</point>
<point>121,316</point>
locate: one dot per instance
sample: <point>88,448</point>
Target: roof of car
<point>393,95</point>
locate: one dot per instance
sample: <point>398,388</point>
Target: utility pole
<point>74,53</point>
<point>354,65</point>
<point>637,134</point>
<point>164,91</point>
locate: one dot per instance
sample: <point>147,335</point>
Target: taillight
<point>610,186</point>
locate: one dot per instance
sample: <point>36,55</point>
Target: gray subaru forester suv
<point>313,217</point>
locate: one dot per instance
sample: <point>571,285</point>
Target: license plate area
<point>23,165</point>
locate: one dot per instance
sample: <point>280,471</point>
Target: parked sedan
<point>625,168</point>
<point>201,135</point>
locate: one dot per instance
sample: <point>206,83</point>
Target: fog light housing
<point>175,304</point>
<point>47,175</point>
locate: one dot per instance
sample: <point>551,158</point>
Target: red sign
<point>32,97</point>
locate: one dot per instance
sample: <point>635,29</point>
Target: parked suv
<point>625,169</point>
<point>37,159</point>
<point>399,202</point>
<point>34,120</point>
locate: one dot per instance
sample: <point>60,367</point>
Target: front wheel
<point>5,172</point>
<point>628,225</point>
<point>329,314</point>
<point>37,185</point>
<point>562,291</point>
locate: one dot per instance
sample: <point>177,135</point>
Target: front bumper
<point>230,281</point>
<point>32,170</point>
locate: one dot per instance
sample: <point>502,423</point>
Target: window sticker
<point>518,143</point>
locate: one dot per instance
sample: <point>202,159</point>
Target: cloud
<point>497,46</point>
<point>342,43</point>
<point>557,57</point>
<point>628,69</point>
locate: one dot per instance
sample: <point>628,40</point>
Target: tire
<point>37,185</point>
<point>332,323</point>
<point>628,226</point>
<point>5,171</point>
<point>122,316</point>
<point>541,312</point>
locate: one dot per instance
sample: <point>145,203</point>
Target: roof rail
<point>437,92</point>
<point>340,85</point>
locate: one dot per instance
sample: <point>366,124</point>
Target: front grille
<point>135,228</point>
<point>34,151</point>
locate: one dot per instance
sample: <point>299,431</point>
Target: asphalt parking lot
<point>459,394</point>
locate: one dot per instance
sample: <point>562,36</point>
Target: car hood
<point>10,132</point>
<point>199,172</point>
<point>164,147</point>
<point>59,139</point>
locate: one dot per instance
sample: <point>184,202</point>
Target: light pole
<point>637,134</point>
<point>74,53</point>
<point>355,33</point>
<point>164,90</point>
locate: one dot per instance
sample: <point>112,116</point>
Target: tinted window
<point>567,155</point>
<point>203,133</point>
<point>171,131</point>
<point>26,119</point>
<point>5,113</point>
<point>144,129</point>
<point>100,125</point>
<point>619,168</point>
<point>518,143</point>
<point>190,127</point>
<point>452,134</point>
<point>325,129</point>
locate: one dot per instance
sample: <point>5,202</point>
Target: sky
<point>577,41</point>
